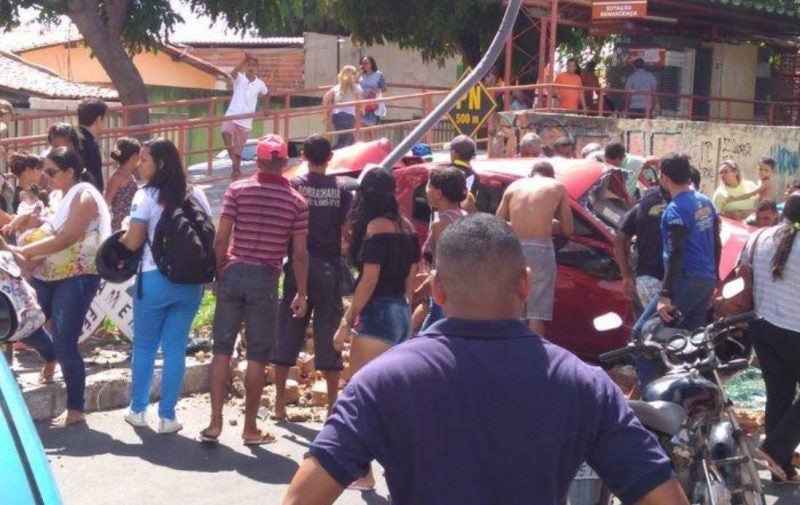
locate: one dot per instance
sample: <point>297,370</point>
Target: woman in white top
<point>344,117</point>
<point>61,253</point>
<point>776,335</point>
<point>163,315</point>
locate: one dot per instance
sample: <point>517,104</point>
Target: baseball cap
<point>423,151</point>
<point>463,146</point>
<point>272,143</point>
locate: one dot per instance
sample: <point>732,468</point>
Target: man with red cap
<point>261,216</point>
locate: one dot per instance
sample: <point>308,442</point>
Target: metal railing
<point>197,138</point>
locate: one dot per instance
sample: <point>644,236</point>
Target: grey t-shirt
<point>644,81</point>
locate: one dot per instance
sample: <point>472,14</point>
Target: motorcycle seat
<point>660,416</point>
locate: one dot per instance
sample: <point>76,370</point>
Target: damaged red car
<point>588,282</point>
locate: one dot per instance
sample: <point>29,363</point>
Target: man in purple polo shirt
<point>477,409</point>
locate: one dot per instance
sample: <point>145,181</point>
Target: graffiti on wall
<point>707,143</point>
<point>786,159</point>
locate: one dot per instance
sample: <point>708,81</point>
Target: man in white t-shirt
<point>247,88</point>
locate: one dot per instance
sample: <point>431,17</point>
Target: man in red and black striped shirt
<point>261,217</point>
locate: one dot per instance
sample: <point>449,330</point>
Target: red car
<point>588,280</point>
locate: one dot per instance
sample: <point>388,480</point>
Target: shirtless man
<point>537,207</point>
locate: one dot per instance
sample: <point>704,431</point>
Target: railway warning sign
<point>473,109</point>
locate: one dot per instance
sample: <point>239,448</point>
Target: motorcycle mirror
<point>732,288</point>
<point>607,322</point>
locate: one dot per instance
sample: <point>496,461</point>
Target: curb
<point>109,390</point>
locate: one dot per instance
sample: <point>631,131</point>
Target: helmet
<point>115,262</point>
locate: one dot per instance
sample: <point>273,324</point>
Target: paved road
<point>108,461</point>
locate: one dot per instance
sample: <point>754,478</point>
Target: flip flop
<point>207,439</point>
<point>266,438</point>
<point>774,468</point>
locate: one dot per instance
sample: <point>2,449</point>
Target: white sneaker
<point>167,426</point>
<point>137,419</point>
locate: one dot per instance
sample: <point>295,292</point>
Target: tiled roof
<point>21,76</point>
<point>25,38</point>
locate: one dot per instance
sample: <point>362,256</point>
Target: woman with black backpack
<point>164,305</point>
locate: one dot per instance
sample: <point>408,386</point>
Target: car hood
<point>349,160</point>
<point>579,176</point>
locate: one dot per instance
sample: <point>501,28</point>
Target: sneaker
<point>136,419</point>
<point>167,426</point>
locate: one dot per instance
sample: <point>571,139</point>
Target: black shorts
<point>324,303</point>
<point>246,294</point>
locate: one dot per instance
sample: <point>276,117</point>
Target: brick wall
<point>280,68</point>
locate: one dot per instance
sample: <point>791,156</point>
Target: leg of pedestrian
<point>149,315</point>
<point>228,316</point>
<point>70,302</point>
<point>260,291</point>
<point>174,336</point>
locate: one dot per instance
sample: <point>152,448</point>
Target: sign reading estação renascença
<point>618,9</point>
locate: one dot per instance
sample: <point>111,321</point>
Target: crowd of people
<point>485,286</point>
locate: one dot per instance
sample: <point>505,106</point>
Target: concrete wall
<point>398,66</point>
<point>707,143</point>
<point>734,76</point>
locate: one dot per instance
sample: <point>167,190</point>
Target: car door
<point>588,284</point>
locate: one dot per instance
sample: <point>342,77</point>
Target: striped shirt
<point>266,212</point>
<point>775,300</point>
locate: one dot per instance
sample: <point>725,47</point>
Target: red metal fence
<point>193,124</point>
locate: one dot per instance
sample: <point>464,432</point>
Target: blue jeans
<point>692,297</point>
<point>65,303</point>
<point>344,121</point>
<point>163,316</point>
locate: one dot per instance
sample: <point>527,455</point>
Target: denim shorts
<point>246,294</point>
<point>386,318</point>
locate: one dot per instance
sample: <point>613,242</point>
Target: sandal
<point>208,439</point>
<point>266,438</point>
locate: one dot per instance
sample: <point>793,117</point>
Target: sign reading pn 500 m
<point>473,109</point>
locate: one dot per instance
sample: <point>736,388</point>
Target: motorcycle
<point>687,410</point>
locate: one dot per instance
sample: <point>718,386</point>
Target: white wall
<point>398,66</point>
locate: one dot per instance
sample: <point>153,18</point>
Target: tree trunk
<point>106,44</point>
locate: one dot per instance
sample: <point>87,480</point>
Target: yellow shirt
<point>724,192</point>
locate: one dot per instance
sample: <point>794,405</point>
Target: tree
<point>115,30</point>
<point>437,28</point>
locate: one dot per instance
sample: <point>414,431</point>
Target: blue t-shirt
<point>486,412</point>
<point>697,214</point>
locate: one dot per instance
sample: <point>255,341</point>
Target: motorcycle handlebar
<point>730,321</point>
<point>616,354</point>
<point>734,365</point>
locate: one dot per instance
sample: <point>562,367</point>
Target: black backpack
<point>183,244</point>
